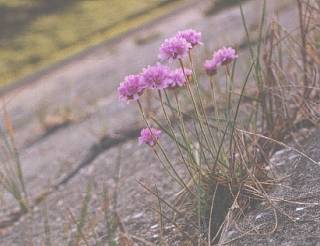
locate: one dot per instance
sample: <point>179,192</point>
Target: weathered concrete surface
<point>87,88</point>
<point>296,203</point>
<point>134,203</point>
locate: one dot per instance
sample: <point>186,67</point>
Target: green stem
<point>201,102</point>
<point>196,108</point>
<point>174,135</point>
<point>162,150</point>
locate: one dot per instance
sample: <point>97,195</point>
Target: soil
<point>294,212</point>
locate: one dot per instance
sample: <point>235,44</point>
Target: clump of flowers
<point>131,88</point>
<point>220,158</point>
<point>149,136</point>
<point>178,78</point>
<point>191,36</point>
<point>156,76</point>
<point>174,48</point>
<point>161,77</point>
<point>198,141</point>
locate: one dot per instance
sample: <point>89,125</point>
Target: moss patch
<point>37,33</point>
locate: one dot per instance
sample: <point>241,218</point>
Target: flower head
<point>149,136</point>
<point>225,55</point>
<point>211,66</point>
<point>174,48</point>
<point>178,78</point>
<point>131,88</point>
<point>191,36</point>
<point>156,76</point>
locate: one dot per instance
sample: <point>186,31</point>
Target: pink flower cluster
<point>149,136</point>
<point>211,67</point>
<point>174,48</point>
<point>191,36</point>
<point>153,77</point>
<point>223,56</point>
<point>178,77</point>
<point>161,77</point>
<point>156,77</point>
<point>178,47</point>
<point>131,88</point>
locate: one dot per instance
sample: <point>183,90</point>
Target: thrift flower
<point>225,55</point>
<point>174,48</point>
<point>191,36</point>
<point>149,136</point>
<point>211,66</point>
<point>156,77</point>
<point>177,77</point>
<point>131,88</point>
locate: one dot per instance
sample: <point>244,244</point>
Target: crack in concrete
<point>96,150</point>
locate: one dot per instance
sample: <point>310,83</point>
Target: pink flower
<point>156,77</point>
<point>131,88</point>
<point>178,79</point>
<point>174,48</point>
<point>211,67</point>
<point>191,36</point>
<point>225,55</point>
<point>149,136</point>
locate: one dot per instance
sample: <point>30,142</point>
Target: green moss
<point>45,31</point>
<point>220,4</point>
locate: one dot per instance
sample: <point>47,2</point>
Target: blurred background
<point>37,33</point>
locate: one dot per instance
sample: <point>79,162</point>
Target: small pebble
<point>138,215</point>
<point>154,226</point>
